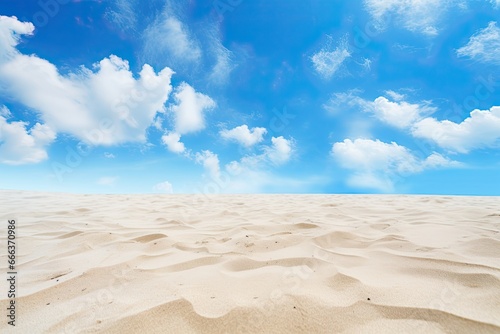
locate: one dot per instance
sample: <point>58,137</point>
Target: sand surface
<point>253,263</point>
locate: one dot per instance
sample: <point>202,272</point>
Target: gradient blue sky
<point>224,96</point>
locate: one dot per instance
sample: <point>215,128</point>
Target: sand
<point>253,263</point>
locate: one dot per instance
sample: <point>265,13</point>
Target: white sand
<point>253,263</point>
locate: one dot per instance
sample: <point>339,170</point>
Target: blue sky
<point>241,96</point>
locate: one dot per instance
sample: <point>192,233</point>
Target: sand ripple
<point>255,263</point>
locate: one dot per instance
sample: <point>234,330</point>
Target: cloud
<point>168,39</point>
<point>421,16</point>
<point>104,106</point>
<point>107,180</point>
<point>164,187</point>
<point>192,46</point>
<point>189,110</point>
<point>280,151</point>
<point>5,112</point>
<point>221,56</point>
<point>259,169</point>
<point>395,96</point>
<point>122,15</point>
<point>210,162</point>
<point>108,155</point>
<point>328,60</point>
<point>21,146</point>
<point>234,176</point>
<point>244,136</point>
<point>480,130</point>
<point>366,64</point>
<point>399,114</point>
<point>10,31</point>
<point>376,164</point>
<point>173,143</point>
<point>264,181</point>
<point>339,101</point>
<point>484,46</point>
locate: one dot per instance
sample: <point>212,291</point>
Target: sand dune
<point>253,263</point>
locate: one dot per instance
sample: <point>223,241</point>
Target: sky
<point>250,96</point>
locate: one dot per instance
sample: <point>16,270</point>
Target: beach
<point>252,263</point>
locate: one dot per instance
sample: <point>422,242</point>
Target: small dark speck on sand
<point>294,307</point>
<point>48,304</point>
<point>368,298</point>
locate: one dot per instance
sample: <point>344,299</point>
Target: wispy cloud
<point>484,46</point>
<point>328,60</point>
<point>220,58</point>
<point>168,38</point>
<point>420,16</point>
<point>122,15</point>
<point>107,180</point>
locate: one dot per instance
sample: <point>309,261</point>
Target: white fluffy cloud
<point>415,15</point>
<point>10,30</point>
<point>280,151</point>
<point>480,130</point>
<point>244,136</point>
<point>399,114</point>
<point>189,110</point>
<point>164,187</point>
<point>173,143</point>
<point>21,146</point>
<point>484,46</point>
<point>376,163</point>
<point>328,60</point>
<point>106,106</point>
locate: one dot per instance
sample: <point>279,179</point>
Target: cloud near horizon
<point>376,164</point>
